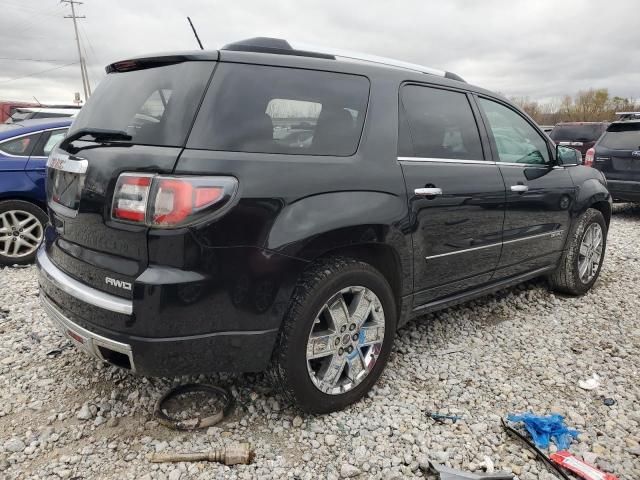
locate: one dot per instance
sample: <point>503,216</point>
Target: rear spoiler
<point>161,60</point>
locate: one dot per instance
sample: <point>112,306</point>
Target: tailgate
<point>137,121</point>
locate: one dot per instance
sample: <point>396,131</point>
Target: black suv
<point>617,155</point>
<point>267,207</point>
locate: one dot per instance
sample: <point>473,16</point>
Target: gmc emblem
<point>117,283</point>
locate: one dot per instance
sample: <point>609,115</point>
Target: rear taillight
<point>170,201</point>
<point>589,157</point>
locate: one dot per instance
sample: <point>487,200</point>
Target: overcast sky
<point>540,49</point>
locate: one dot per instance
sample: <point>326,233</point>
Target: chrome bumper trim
<point>90,341</point>
<point>79,290</point>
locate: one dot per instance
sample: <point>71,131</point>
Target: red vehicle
<point>7,108</point>
<point>579,135</point>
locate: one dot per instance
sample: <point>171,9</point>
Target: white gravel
<point>523,349</point>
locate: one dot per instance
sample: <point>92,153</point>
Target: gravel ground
<point>523,349</point>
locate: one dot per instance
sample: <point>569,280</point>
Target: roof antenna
<point>195,33</point>
<point>39,104</point>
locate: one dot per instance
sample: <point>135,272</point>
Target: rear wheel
<point>336,337</point>
<point>21,231</point>
<point>582,260</point>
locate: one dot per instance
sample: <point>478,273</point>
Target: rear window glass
<point>253,108</point>
<point>577,133</point>
<point>156,106</point>
<point>622,137</point>
<point>441,124</point>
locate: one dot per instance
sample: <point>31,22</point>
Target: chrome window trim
<point>79,290</point>
<point>445,160</point>
<point>524,165</point>
<point>555,233</point>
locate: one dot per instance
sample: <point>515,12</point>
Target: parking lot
<point>523,349</point>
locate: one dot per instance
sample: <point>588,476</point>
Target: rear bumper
<point>239,351</point>
<point>624,190</point>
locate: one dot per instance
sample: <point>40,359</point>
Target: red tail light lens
<point>589,157</point>
<point>130,198</point>
<point>170,201</point>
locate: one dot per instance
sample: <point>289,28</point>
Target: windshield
<point>577,133</point>
<point>155,106</point>
<point>622,137</point>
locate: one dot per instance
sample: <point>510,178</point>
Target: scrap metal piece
<point>230,455</point>
<point>447,473</point>
<point>194,423</point>
<point>539,453</point>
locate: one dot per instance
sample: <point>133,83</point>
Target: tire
<point>567,277</point>
<point>13,214</point>
<point>322,286</point>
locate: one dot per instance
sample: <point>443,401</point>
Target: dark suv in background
<point>617,155</point>
<point>270,207</point>
<point>579,135</point>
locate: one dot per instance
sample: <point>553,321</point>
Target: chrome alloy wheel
<point>345,340</point>
<point>20,233</point>
<point>590,252</point>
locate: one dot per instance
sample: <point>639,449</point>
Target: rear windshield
<point>622,137</point>
<point>156,106</point>
<point>577,133</point>
<point>254,108</point>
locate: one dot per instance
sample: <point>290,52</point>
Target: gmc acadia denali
<point>272,207</point>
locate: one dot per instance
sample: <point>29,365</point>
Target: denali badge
<point>117,283</point>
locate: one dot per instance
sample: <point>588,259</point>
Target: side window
<point>517,141</point>
<point>20,146</point>
<point>49,140</point>
<point>255,108</point>
<point>441,124</point>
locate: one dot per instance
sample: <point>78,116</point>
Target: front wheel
<point>21,231</point>
<point>336,337</point>
<point>582,260</point>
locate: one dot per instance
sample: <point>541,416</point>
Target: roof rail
<point>283,47</point>
<point>629,115</point>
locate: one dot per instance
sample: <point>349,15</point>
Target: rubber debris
<point>543,429</point>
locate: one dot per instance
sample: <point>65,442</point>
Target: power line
<point>32,60</point>
<point>38,73</point>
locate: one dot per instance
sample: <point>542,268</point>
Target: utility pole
<point>83,67</point>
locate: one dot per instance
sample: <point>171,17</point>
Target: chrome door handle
<point>519,188</point>
<point>428,192</point>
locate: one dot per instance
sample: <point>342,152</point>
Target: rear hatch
<point>137,121</point>
<point>581,136</point>
<point>618,152</point>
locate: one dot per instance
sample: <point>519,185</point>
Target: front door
<point>539,194</point>
<point>456,196</point>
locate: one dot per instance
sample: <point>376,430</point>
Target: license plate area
<point>65,181</point>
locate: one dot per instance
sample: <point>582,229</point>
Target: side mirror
<point>568,156</point>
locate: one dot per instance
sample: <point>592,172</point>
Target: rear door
<point>539,195</point>
<point>155,104</point>
<point>618,153</point>
<point>456,194</point>
<point>14,155</point>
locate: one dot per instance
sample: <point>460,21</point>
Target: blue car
<point>24,148</point>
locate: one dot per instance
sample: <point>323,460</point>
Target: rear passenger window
<point>441,125</point>
<point>20,146</point>
<point>254,108</point>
